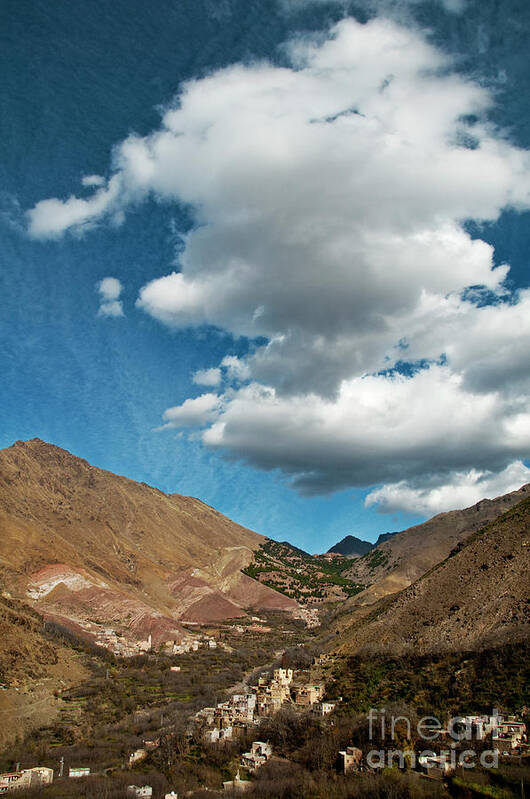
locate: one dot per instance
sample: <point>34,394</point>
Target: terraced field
<point>306,578</point>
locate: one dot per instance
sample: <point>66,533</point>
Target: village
<point>302,690</point>
<point>122,643</point>
<point>238,715</point>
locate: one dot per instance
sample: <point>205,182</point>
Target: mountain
<point>116,560</point>
<point>351,547</point>
<point>407,555</point>
<point>382,537</point>
<point>477,597</point>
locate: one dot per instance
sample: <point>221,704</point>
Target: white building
<point>215,735</point>
<point>78,771</point>
<point>143,792</point>
<point>436,765</point>
<point>283,676</point>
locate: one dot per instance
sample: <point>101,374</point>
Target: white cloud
<point>92,180</point>
<point>237,370</point>
<point>109,290</point>
<point>193,412</point>
<point>378,429</point>
<point>330,199</point>
<point>207,377</point>
<point>463,490</point>
<point>49,219</point>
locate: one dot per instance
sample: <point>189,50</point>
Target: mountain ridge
<point>122,552</point>
<point>407,555</point>
<point>352,547</point>
<point>477,597</point>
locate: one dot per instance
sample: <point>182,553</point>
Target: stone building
<point>259,753</point>
<point>26,779</point>
<point>350,759</point>
<point>76,772</point>
<point>308,694</point>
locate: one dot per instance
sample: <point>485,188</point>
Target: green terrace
<point>299,575</point>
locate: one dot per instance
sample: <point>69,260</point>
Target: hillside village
<point>303,690</point>
<point>273,691</point>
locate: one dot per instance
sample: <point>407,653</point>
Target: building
<point>237,784</point>
<point>143,792</point>
<point>324,708</point>
<point>259,754</point>
<point>171,795</point>
<point>207,714</point>
<point>321,660</point>
<point>509,734</point>
<point>215,735</point>
<point>282,676</point>
<point>269,702</point>
<point>350,759</point>
<point>244,704</point>
<point>78,771</point>
<point>146,646</point>
<point>137,756</point>
<point>438,766</point>
<point>308,694</point>
<point>26,779</point>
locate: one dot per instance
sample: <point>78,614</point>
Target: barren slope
<point>87,544</point>
<point>479,596</point>
<point>33,665</point>
<point>399,561</point>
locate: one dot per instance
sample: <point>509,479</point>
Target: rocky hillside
<point>34,664</point>
<point>404,557</point>
<point>94,551</point>
<point>478,596</point>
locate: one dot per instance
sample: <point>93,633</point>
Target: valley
<point>148,641</point>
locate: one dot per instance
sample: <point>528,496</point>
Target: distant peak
<point>350,545</point>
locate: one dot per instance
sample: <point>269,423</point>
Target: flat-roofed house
<point>25,779</point>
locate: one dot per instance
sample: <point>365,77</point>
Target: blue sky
<point>326,192</point>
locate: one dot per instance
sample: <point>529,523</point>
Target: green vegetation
<point>301,576</point>
<point>482,790</point>
<point>444,683</point>
<point>375,559</point>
